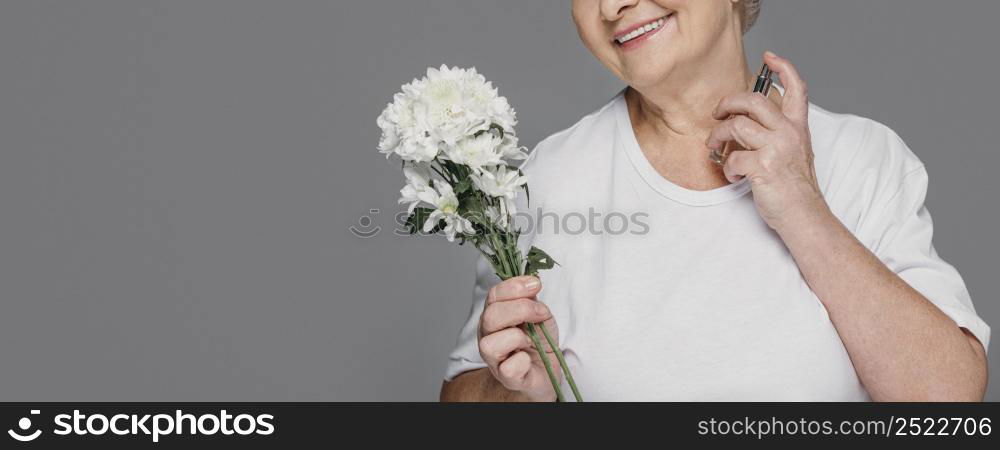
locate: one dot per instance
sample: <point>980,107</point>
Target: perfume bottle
<point>763,86</point>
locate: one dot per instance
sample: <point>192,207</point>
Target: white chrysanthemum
<point>445,207</point>
<point>476,151</point>
<point>417,182</point>
<point>500,182</point>
<point>444,107</point>
<point>510,150</point>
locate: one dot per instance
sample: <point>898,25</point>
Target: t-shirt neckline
<point>656,181</point>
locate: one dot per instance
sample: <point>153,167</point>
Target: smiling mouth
<point>642,30</point>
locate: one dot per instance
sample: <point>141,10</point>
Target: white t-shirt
<point>672,294</point>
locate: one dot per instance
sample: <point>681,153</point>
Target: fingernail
<point>770,54</point>
<point>541,309</point>
<point>533,283</point>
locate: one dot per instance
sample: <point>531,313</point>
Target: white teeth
<point>641,31</point>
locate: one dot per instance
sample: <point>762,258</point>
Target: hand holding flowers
<point>454,135</point>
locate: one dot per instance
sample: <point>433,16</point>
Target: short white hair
<point>751,9</point>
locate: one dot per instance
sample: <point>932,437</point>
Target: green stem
<point>562,362</point>
<point>545,360</point>
<point>505,274</point>
<point>509,262</point>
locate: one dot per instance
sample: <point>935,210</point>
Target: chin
<point>649,66</point>
<point>647,75</point>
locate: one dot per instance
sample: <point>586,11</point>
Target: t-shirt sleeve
<point>899,231</point>
<point>465,356</point>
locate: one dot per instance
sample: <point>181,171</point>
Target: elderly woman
<point>801,269</point>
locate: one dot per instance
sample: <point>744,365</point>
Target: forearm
<point>902,346</point>
<point>478,386</point>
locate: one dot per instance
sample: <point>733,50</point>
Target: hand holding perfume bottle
<point>763,86</point>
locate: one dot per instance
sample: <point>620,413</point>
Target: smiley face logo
<point>25,424</point>
<point>365,227</point>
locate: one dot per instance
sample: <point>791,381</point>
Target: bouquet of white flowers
<point>455,134</point>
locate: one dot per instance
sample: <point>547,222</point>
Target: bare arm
<point>902,346</point>
<point>478,386</point>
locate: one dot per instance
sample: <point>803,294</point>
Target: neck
<point>681,106</point>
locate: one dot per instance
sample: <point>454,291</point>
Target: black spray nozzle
<point>763,80</point>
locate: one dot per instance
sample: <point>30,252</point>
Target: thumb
<point>795,102</point>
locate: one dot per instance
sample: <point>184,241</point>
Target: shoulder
<point>848,142</point>
<point>588,137</point>
<point>850,148</point>
<point>861,165</point>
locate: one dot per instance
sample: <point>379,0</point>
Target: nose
<point>613,10</point>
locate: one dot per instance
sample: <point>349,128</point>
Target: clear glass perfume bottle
<point>763,86</point>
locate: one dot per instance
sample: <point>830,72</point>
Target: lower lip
<point>668,21</point>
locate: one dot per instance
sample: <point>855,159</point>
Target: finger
<point>756,106</point>
<point>513,372</point>
<point>795,102</point>
<point>740,164</point>
<point>514,288</point>
<point>742,129</point>
<point>512,313</point>
<point>497,347</point>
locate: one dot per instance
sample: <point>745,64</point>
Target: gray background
<point>177,178</point>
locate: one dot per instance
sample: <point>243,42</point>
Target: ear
<point>739,13</point>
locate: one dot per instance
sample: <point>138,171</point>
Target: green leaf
<point>538,260</point>
<point>471,204</point>
<point>463,186</point>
